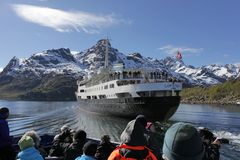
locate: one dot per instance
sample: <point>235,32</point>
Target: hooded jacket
<point>30,154</point>
<point>133,144</point>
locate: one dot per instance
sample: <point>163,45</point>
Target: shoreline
<point>210,102</point>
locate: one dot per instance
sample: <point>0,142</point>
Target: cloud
<point>1,69</point>
<point>226,55</point>
<point>172,50</point>
<point>65,21</point>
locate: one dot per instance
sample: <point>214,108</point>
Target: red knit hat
<point>149,124</point>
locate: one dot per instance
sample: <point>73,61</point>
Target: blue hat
<point>182,142</point>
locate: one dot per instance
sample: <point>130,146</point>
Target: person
<point>61,142</point>
<point>36,139</point>
<point>154,140</point>
<point>75,148</point>
<point>211,144</point>
<point>89,151</point>
<point>159,132</point>
<point>6,150</point>
<point>150,133</point>
<point>182,142</point>
<point>28,151</point>
<point>105,148</point>
<point>133,142</point>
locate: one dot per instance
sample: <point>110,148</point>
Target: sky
<point>205,32</point>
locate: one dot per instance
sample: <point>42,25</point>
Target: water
<point>48,117</point>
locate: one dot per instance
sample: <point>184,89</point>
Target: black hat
<point>80,135</point>
<point>142,119</point>
<point>4,113</point>
<point>90,148</point>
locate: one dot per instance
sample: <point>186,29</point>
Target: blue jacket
<point>5,139</point>
<point>30,154</point>
<point>85,157</point>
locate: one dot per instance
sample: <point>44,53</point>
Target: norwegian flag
<point>179,55</point>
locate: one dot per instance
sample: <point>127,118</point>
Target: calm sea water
<point>48,117</point>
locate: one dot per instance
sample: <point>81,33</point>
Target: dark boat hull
<point>159,108</point>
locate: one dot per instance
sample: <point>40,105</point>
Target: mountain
<point>202,76</point>
<point>52,74</point>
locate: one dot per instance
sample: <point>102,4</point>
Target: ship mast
<point>106,54</point>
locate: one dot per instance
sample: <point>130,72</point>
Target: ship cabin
<point>128,84</point>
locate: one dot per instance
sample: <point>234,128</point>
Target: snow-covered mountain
<point>65,63</point>
<point>55,61</point>
<point>205,75</point>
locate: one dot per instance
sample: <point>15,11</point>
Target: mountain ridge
<point>32,77</point>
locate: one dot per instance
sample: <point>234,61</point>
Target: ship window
<point>94,97</point>
<point>88,97</point>
<point>124,95</point>
<point>102,96</point>
<point>82,90</point>
<point>79,97</point>
<point>111,85</point>
<point>144,94</point>
<point>121,83</point>
<point>106,87</point>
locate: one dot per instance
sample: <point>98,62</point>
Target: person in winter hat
<point>133,142</point>
<point>182,142</point>
<point>28,151</point>
<point>36,139</point>
<point>89,151</point>
<point>154,139</point>
<point>61,142</point>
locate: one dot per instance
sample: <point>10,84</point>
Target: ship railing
<point>122,82</point>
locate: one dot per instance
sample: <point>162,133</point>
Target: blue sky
<point>204,31</point>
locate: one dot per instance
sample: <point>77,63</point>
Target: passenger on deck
<point>133,142</point>
<point>105,148</point>
<point>211,144</point>
<point>182,142</point>
<point>6,149</point>
<point>61,142</point>
<point>75,149</point>
<point>28,151</point>
<point>89,151</point>
<point>36,139</point>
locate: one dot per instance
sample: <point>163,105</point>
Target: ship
<point>117,91</point>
